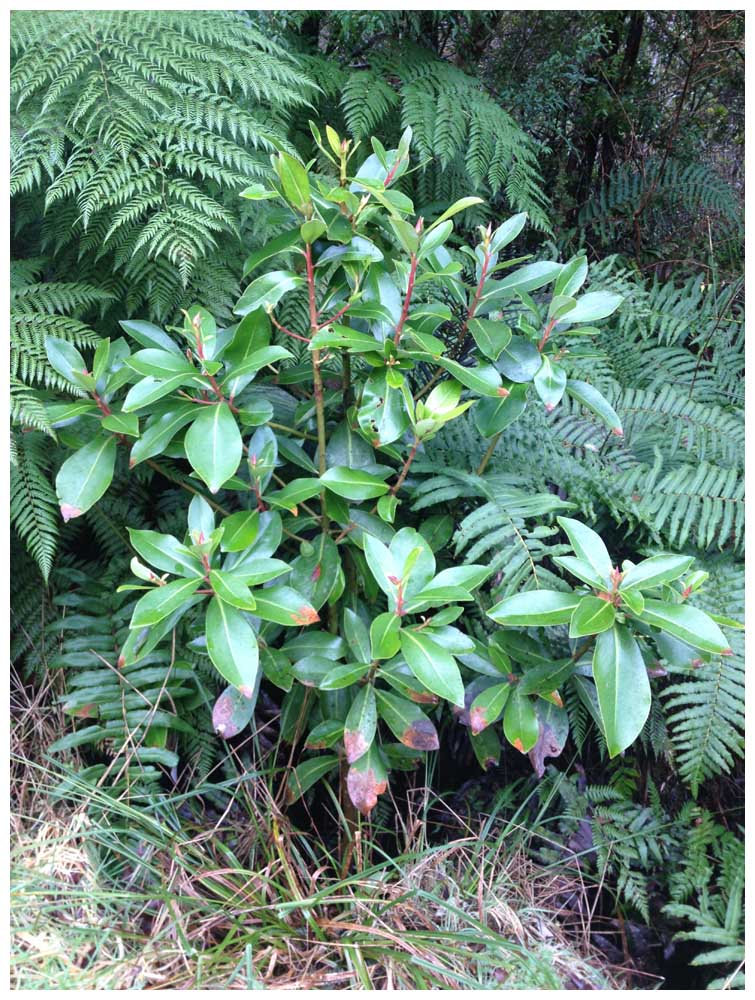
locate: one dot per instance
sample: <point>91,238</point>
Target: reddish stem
<point>285,329</point>
<point>333,318</point>
<point>546,333</point>
<point>407,300</point>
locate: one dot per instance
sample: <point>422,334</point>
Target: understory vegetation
<point>377,500</point>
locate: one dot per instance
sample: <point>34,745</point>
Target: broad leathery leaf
<point>581,569</point>
<point>588,546</point>
<point>232,589</point>
<point>520,360</point>
<point>433,666</point>
<point>85,476</point>
<point>150,389</point>
<point>356,634</point>
<point>553,734</point>
<point>160,432</point>
<point>232,646</point>
<point>231,713</point>
<point>165,552</point>
<point>280,244</point>
<point>591,616</point>
<point>149,335</point>
<point>535,607</point>
<point>594,306</point>
<point>361,724</point>
<point>266,291</point>
<point>623,688</point>
<point>382,565</point>
<point>550,383</point>
<point>239,530</point>
<point>491,337</point>
<point>293,493</point>
<point>520,724</point>
<point>458,206</point>
<point>283,605</point>
<point>353,484</point>
<point>507,232</point>
<point>686,623</point>
<point>213,445</point>
<point>342,676</point>
<point>160,364</point>
<point>494,415</point>
<point>488,707</point>
<point>295,182</point>
<point>596,403</point>
<point>307,774</point>
<point>656,570</point>
<point>367,778</point>
<point>67,361</point>
<point>406,721</point>
<point>162,601</point>
<point>385,638</point>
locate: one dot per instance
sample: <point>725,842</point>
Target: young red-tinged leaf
<point>201,520</point>
<point>406,721</point>
<point>596,403</point>
<point>307,774</point>
<point>213,445</point>
<point>231,713</point>
<point>284,605</point>
<point>361,724</point>
<point>356,634</point>
<point>239,531</point>
<point>325,735</point>
<point>623,688</point>
<point>520,725</point>
<point>591,615</point>
<point>232,589</point>
<point>165,552</point>
<point>85,476</point>
<point>589,547</point>
<point>488,706</point>
<point>535,607</point>
<point>162,601</point>
<point>433,666</point>
<point>232,646</point>
<point>343,675</point>
<point>656,570</point>
<point>353,484</point>
<point>367,778</point>
<point>686,623</point>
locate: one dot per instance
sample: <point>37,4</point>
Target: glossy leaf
<point>623,688</point>
<point>520,724</point>
<point>353,484</point>
<point>162,601</point>
<point>307,774</point>
<point>231,713</point>
<point>656,570</point>
<point>85,476</point>
<point>384,636</point>
<point>285,606</point>
<point>213,445</point>
<point>406,721</point>
<point>232,646</point>
<point>589,547</point>
<point>596,403</point>
<point>165,552</point>
<point>361,724</point>
<point>488,707</point>
<point>433,666</point>
<point>535,607</point>
<point>686,623</point>
<point>356,634</point>
<point>592,615</point>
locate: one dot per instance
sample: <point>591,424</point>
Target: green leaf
<point>356,634</point>
<point>550,383</point>
<point>353,484</point>
<point>520,725</point>
<point>507,232</point>
<point>149,335</point>
<point>361,724</point>
<point>293,493</point>
<point>149,390</point>
<point>525,279</point>
<point>594,306</point>
<point>325,735</point>
<point>295,182</point>
<point>280,244</point>
<point>121,423</point>
<point>491,337</point>
<point>232,589</point>
<point>592,615</point>
<point>385,639</point>
<point>535,607</point>
<point>488,707</point>
<point>160,432</point>
<point>520,360</point>
<point>458,206</point>
<point>67,361</point>
<point>232,646</point>
<point>231,713</point>
<point>162,601</point>
<point>623,688</point>
<point>686,623</point>
<point>656,570</point>
<point>266,291</point>
<point>386,508</point>
<point>201,520</point>
<point>307,774</point>
<point>382,566</point>
<point>433,666</point>
<point>343,676</point>
<point>242,373</point>
<point>160,364</point>
<point>595,402</point>
<point>165,552</point>
<point>213,445</point>
<point>406,721</point>
<point>482,379</point>
<point>239,530</point>
<point>284,605</point>
<point>589,547</point>
<point>634,600</point>
<point>343,337</point>
<point>572,277</point>
<point>581,569</point>
<point>85,476</point>
<point>494,415</point>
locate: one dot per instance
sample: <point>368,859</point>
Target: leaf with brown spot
<point>553,732</point>
<point>367,778</point>
<point>284,606</point>
<point>406,721</point>
<point>361,724</point>
<point>488,707</point>
<point>232,711</point>
<point>520,723</point>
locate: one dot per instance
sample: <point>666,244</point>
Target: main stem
<point>317,383</point>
